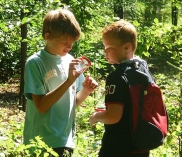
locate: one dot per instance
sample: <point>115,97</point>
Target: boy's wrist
<point>69,81</point>
<point>93,119</point>
<point>86,91</point>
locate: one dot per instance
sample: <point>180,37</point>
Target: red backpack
<point>149,119</point>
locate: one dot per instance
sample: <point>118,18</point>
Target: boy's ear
<point>127,46</point>
<point>47,36</point>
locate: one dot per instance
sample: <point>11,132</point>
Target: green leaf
<point>156,21</point>
<point>26,11</point>
<point>135,23</point>
<point>146,54</point>
<point>20,148</point>
<point>18,132</point>
<point>54,153</point>
<point>25,20</point>
<point>46,154</point>
<point>2,25</point>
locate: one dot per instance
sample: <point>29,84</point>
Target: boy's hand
<point>89,84</point>
<point>73,74</point>
<point>92,119</point>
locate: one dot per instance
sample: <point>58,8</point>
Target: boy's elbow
<point>39,104</point>
<point>41,110</point>
<point>115,119</point>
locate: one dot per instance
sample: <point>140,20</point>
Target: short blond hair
<point>122,30</point>
<point>61,22</point>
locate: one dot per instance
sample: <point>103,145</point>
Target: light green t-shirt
<point>43,73</point>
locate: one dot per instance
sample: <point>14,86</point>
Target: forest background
<point>159,26</point>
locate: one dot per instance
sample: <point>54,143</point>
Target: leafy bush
<point>11,134</point>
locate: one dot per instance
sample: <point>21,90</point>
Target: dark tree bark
<point>65,2</point>
<point>118,9</point>
<point>174,17</point>
<point>22,101</point>
<point>174,13</point>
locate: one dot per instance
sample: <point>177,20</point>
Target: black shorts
<point>118,152</point>
<point>146,154</point>
<point>125,155</point>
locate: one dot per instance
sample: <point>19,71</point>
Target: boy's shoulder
<point>128,63</point>
<point>33,56</point>
<point>136,58</point>
<point>114,76</point>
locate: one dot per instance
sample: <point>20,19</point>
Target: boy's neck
<point>46,48</point>
<point>129,56</point>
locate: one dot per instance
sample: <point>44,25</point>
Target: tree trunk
<point>174,13</point>
<point>174,17</point>
<point>65,1</point>
<point>22,101</point>
<point>118,9</point>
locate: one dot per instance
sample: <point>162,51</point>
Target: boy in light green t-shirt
<point>53,87</point>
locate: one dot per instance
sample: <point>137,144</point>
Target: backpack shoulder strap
<point>137,77</point>
<point>136,72</point>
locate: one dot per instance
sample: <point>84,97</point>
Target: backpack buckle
<point>136,64</point>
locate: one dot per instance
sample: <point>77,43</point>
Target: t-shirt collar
<point>50,56</point>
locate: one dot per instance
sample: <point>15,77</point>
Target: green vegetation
<point>159,43</point>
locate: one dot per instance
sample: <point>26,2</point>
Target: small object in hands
<point>99,109</point>
<point>83,64</point>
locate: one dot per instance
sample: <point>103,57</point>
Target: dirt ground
<point>9,93</point>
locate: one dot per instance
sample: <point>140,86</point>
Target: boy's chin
<point>63,54</point>
<point>111,62</point>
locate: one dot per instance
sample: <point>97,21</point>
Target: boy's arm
<point>112,115</point>
<point>44,102</point>
<point>89,85</point>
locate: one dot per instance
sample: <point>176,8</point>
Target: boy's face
<point>114,50</point>
<point>59,46</point>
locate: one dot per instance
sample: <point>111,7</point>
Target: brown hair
<point>59,23</point>
<point>122,30</point>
